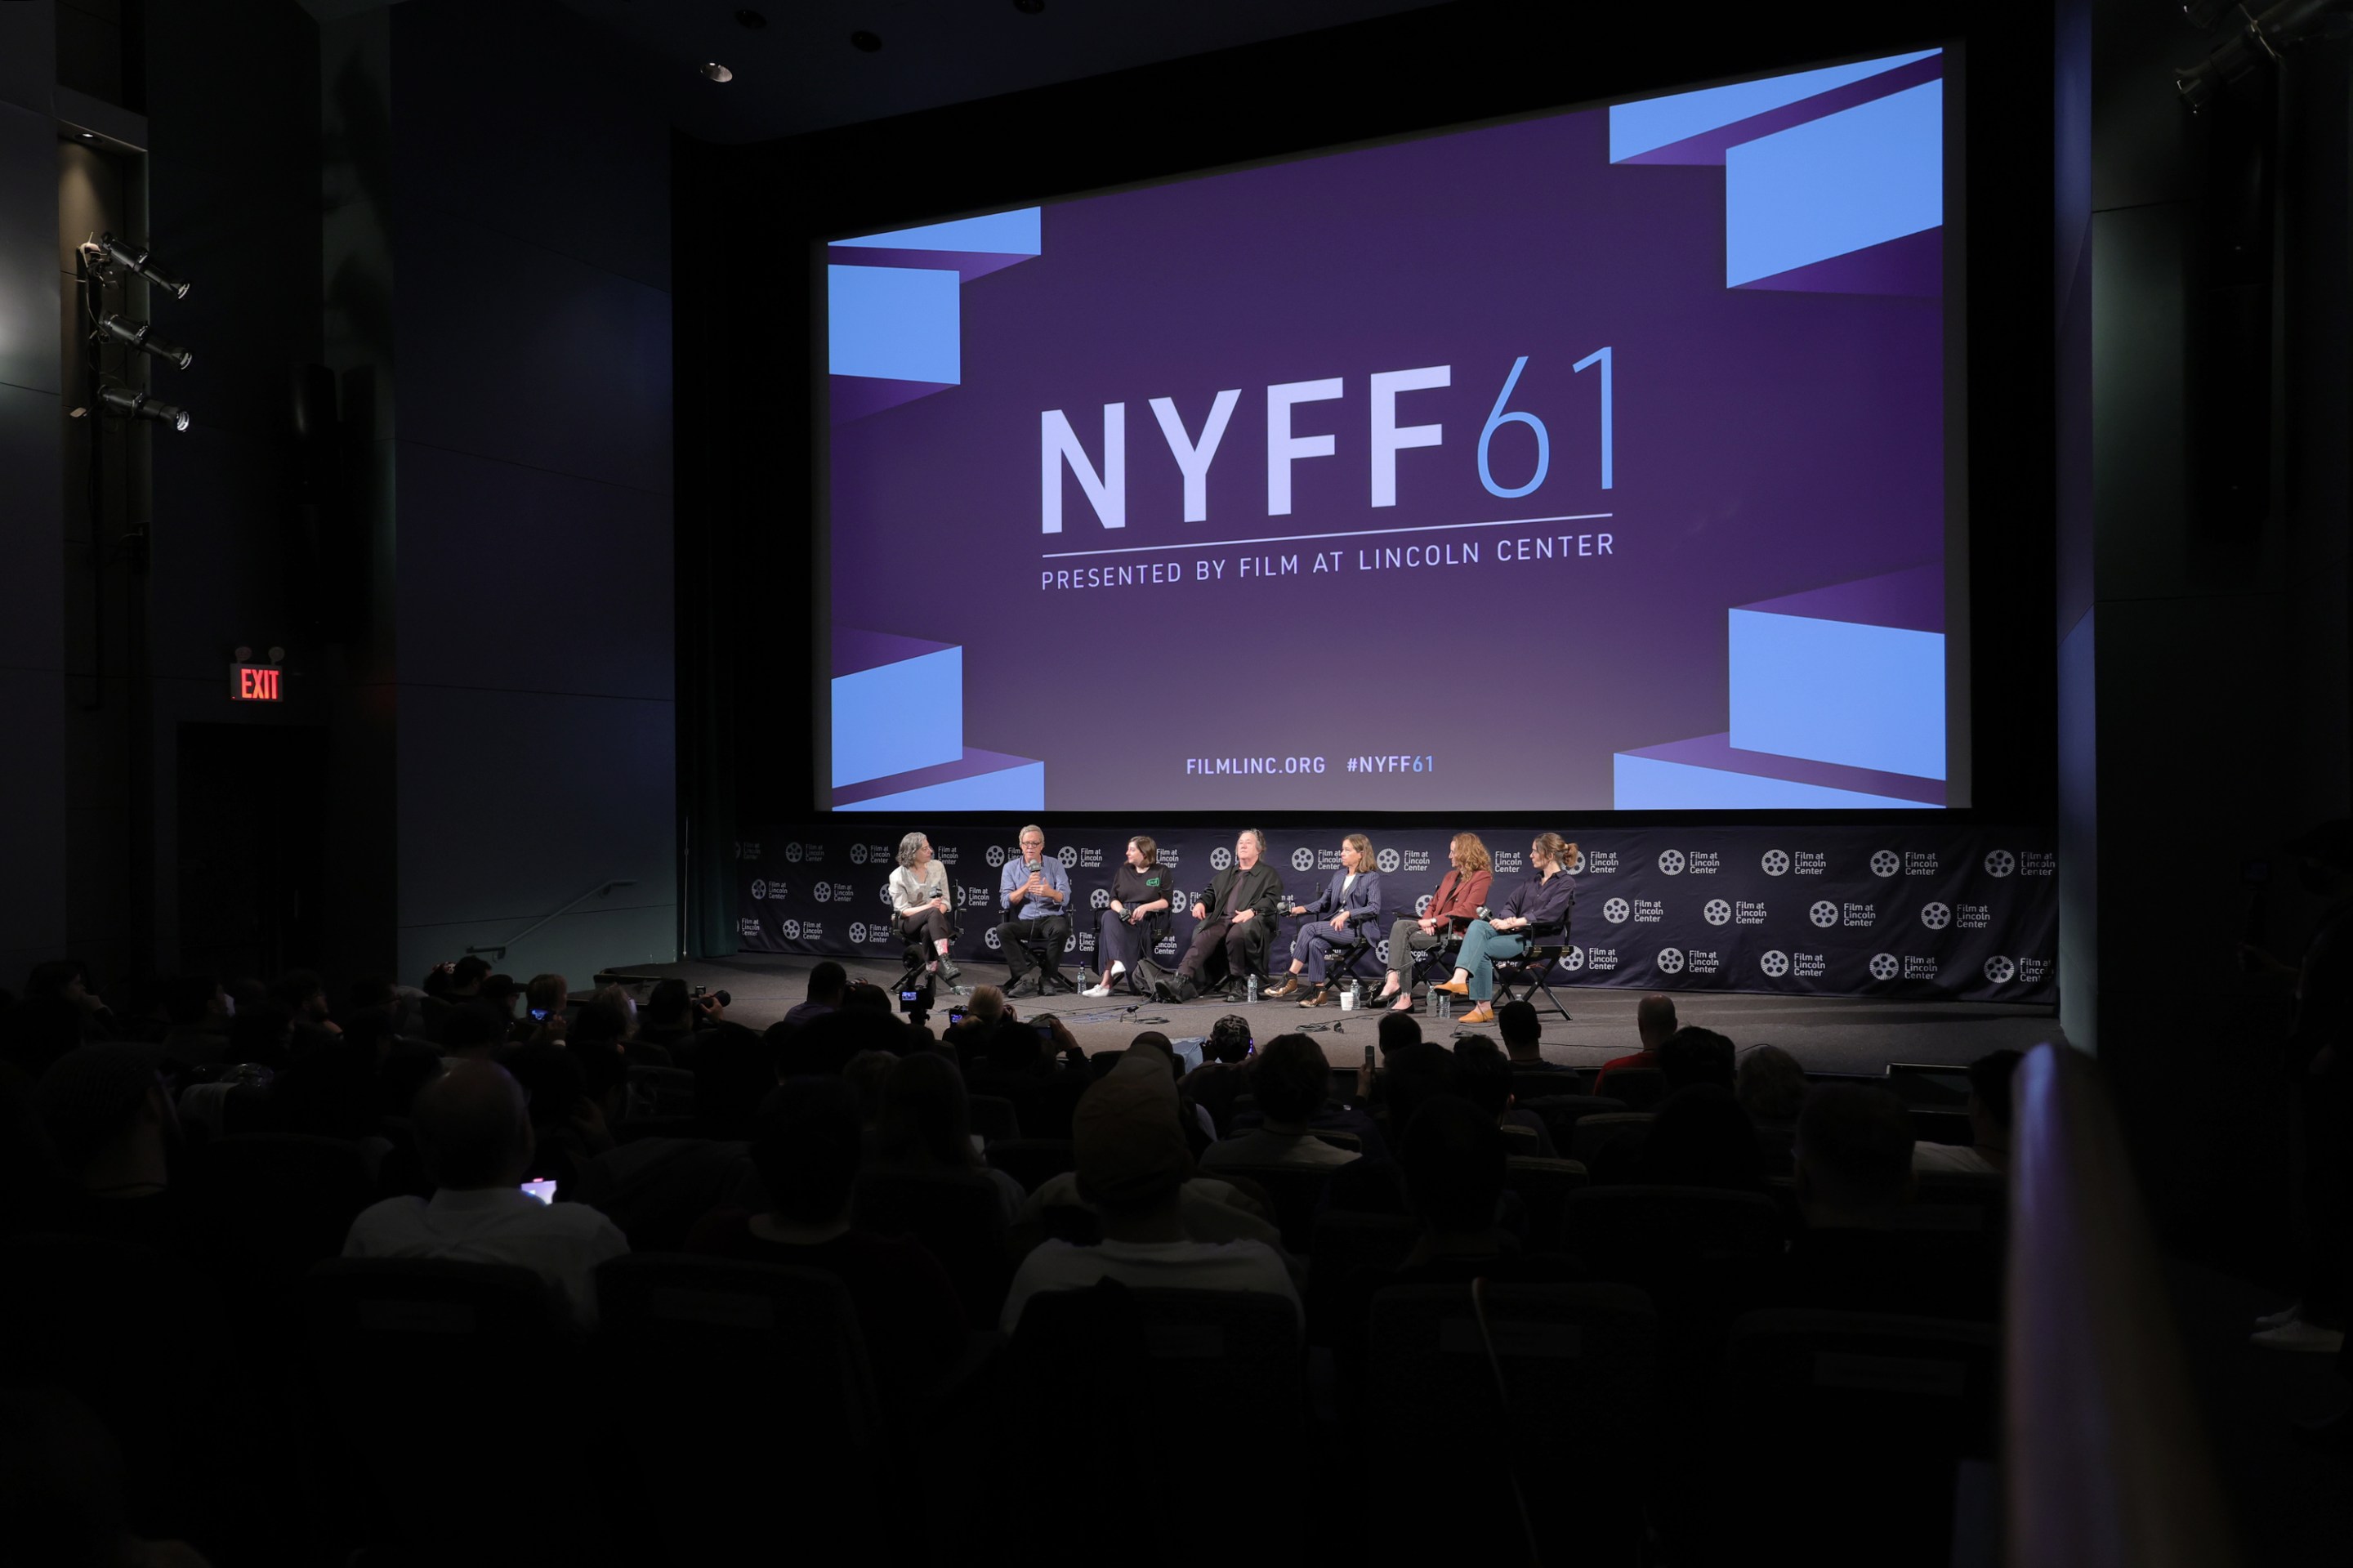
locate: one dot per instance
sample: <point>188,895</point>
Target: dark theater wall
<point>499,311</point>
<point>32,519</point>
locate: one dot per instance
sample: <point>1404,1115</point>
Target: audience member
<point>1222,1077</point>
<point>68,980</point>
<point>926,1125</point>
<point>327,1087</point>
<point>473,1032</point>
<point>1654,1024</point>
<point>1483,1074</point>
<point>1522,1031</point>
<point>823,1045</point>
<point>1854,1183</point>
<point>1038,1065</point>
<point>475,1134</point>
<point>604,1023</point>
<point>261,1034</point>
<point>1397,1031</point>
<point>567,1128</point>
<point>865,996</point>
<point>1131,1168</point>
<point>826,984</point>
<point>303,995</point>
<point>866,1074</point>
<point>1771,1086</point>
<point>1694,1055</point>
<point>735,1073</point>
<point>1987,1150</point>
<point>670,1018</point>
<point>111,1126</point>
<point>199,1009</point>
<point>1701,1138</point>
<point>808,1151</point>
<point>548,1000</point>
<point>1291,1080</point>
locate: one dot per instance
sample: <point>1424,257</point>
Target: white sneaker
<point>2300,1335</point>
<point>2281,1318</point>
<point>1098,991</point>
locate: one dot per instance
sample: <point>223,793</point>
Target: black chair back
<point>958,1216</point>
<point>1641,1088</point>
<point>1577,1397</point>
<point>1032,1161</point>
<point>679,1342</point>
<point>1297,1193</point>
<point>1886,1408</point>
<point>1543,1186</point>
<point>1544,1083</point>
<point>1619,1231</point>
<point>1596,1130</point>
<point>993,1116</point>
<point>404,1357</point>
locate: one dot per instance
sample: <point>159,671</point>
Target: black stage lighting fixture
<point>136,258</point>
<point>136,404</point>
<point>2265,33</point>
<point>141,335</point>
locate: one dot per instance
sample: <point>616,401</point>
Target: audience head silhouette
<point>473,1127</point>
<point>1854,1156</point>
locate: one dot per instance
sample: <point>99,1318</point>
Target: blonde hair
<point>1472,854</point>
<point>1364,848</point>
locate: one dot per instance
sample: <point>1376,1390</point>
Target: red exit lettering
<point>256,684</point>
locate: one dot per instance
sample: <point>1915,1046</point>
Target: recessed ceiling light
<point>90,135</point>
<point>751,18</point>
<point>865,42</point>
<point>718,73</point>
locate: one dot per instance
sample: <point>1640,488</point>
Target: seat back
<point>276,1203</point>
<point>1889,1406</point>
<point>993,1116</point>
<point>1544,1083</point>
<point>662,1091</point>
<point>1576,1366</point>
<point>1619,1231</point>
<point>679,1339</point>
<point>1594,1132</point>
<point>1959,1200</point>
<point>1297,1193</point>
<point>1641,1088</point>
<point>1519,1139</point>
<point>1543,1186</point>
<point>1032,1161</point>
<point>958,1216</point>
<point>405,1356</point>
<point>1562,1110</point>
<point>1338,1137</point>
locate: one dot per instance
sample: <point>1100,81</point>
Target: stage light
<point>2262,37</point>
<point>136,260</point>
<point>718,73</point>
<point>136,404</point>
<point>141,335</point>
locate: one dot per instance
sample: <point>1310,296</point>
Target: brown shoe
<point>1323,998</point>
<point>1288,984</point>
<point>1482,1013</point>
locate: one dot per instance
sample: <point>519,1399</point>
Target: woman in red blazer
<point>1452,908</point>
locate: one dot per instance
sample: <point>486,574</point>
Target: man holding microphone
<point>1035,894</point>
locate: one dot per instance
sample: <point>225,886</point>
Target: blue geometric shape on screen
<point>1016,788</point>
<point>1016,233</point>
<point>1839,692</point>
<point>1654,122</point>
<point>897,717</point>
<point>1649,784</point>
<point>1856,178</point>
<point>902,323</point>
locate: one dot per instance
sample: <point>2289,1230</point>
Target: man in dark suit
<point>1236,918</point>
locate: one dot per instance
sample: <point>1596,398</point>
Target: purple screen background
<point>1767,443</point>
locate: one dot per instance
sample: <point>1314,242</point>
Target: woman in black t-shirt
<point>1138,892</point>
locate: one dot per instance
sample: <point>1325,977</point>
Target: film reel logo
<point>1774,963</point>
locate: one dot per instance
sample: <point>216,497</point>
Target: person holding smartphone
<point>1139,891</point>
<point>546,996</point>
<point>919,906</point>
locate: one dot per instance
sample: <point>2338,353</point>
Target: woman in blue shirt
<point>1537,907</point>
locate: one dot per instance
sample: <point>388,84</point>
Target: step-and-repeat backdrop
<point>1924,912</point>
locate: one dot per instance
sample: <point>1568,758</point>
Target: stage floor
<point>1827,1034</point>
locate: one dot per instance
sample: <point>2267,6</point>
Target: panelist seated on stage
<point>1140,891</point>
<point>1469,875</point>
<point>1237,921</point>
<point>1536,908</point>
<point>1348,908</point>
<point>919,906</point>
<point>1035,894</point>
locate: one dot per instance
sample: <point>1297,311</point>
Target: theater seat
<point>409,1360</point>
<point>1543,1187</point>
<point>1032,1161</point>
<point>682,1344</point>
<point>1295,1191</point>
<point>1596,1131</point>
<point>1576,1399</point>
<point>959,1217</point>
<point>1879,1411</point>
<point>993,1116</point>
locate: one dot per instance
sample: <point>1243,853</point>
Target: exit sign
<point>255,683</point>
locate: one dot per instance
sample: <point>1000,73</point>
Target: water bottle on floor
<point>1253,988</point>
